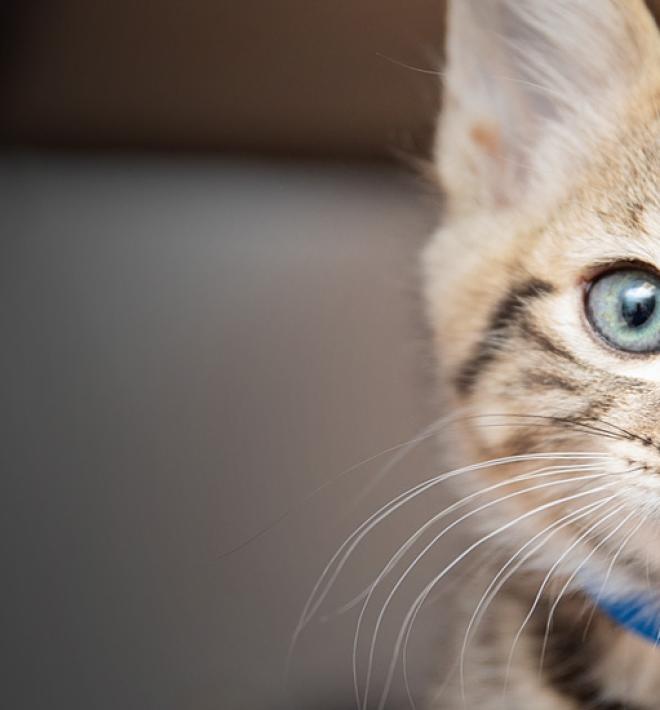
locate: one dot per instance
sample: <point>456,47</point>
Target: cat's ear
<point>528,84</point>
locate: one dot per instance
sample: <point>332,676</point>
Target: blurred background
<point>286,78</point>
<point>210,216</point>
<point>210,220</point>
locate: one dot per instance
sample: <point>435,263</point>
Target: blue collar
<point>639,614</point>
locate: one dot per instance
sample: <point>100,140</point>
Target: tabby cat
<point>543,291</point>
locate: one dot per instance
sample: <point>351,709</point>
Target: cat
<point>543,294</point>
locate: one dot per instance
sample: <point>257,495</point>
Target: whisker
<point>403,65</point>
<point>522,477</point>
<point>568,582</point>
<point>353,540</point>
<point>546,471</point>
<point>583,536</point>
<point>493,588</point>
<point>407,627</point>
<point>545,581</point>
<point>616,556</point>
<point>408,445</point>
<point>405,449</point>
<point>579,428</point>
<point>616,427</point>
<point>573,422</point>
<point>576,424</point>
<point>543,89</point>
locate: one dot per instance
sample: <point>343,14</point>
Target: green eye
<point>623,308</point>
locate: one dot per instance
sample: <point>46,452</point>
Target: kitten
<point>543,291</point>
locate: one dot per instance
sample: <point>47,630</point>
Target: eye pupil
<point>638,304</point>
<point>623,308</point>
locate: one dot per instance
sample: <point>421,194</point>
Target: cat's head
<point>543,284</point>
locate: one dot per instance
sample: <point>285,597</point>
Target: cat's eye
<point>623,307</point>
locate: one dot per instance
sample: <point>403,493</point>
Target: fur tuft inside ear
<point>528,84</point>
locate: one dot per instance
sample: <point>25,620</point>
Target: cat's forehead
<point>614,214</point>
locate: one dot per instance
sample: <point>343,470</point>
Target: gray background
<point>190,348</point>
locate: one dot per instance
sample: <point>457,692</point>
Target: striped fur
<point>548,150</point>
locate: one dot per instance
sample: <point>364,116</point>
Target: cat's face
<point>544,284</point>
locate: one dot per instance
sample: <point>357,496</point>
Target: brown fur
<point>546,187</point>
